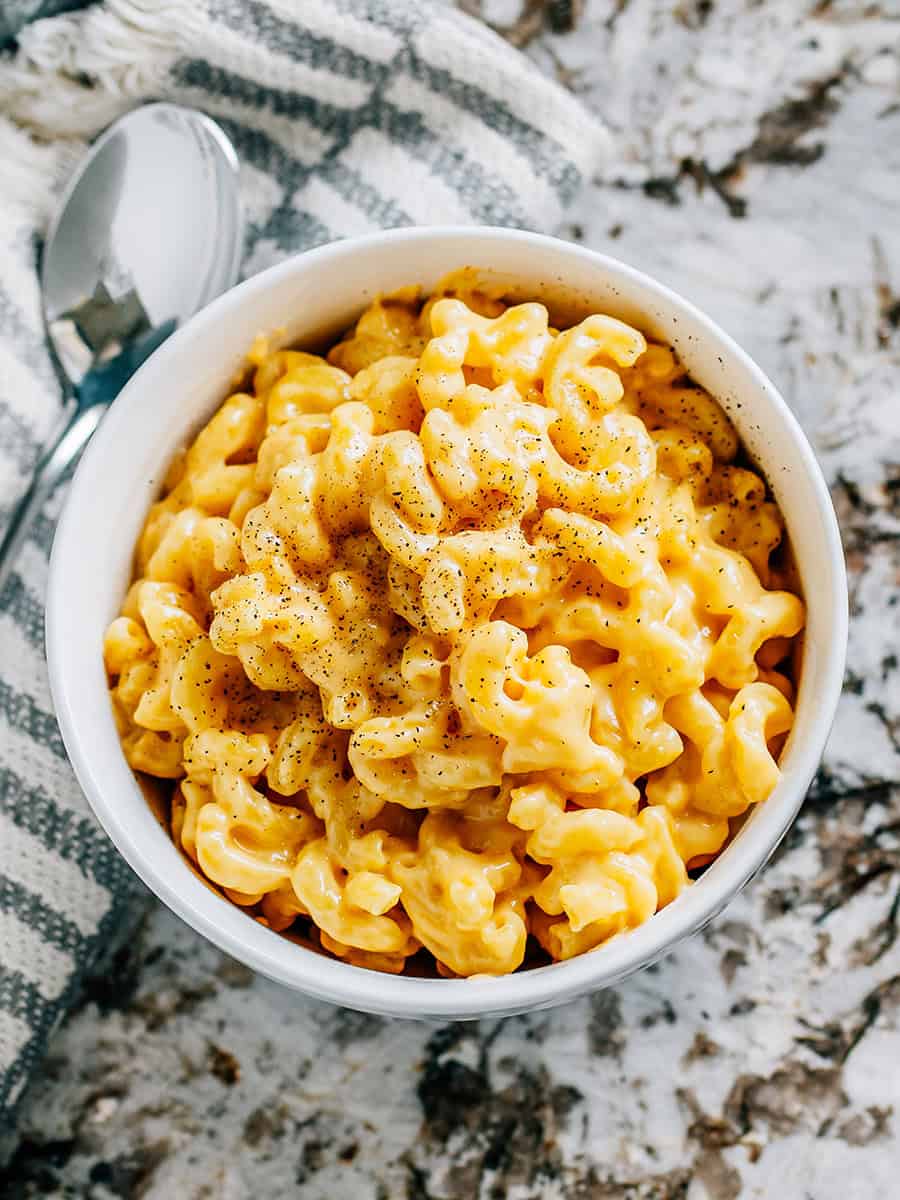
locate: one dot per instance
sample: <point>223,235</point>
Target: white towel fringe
<point>79,72</point>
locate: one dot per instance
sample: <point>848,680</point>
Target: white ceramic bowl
<point>175,392</point>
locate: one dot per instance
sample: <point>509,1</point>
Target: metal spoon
<point>147,232</point>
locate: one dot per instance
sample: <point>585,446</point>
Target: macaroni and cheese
<point>471,631</point>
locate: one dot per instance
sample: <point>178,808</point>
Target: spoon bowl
<point>148,231</point>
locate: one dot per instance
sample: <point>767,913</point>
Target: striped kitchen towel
<point>348,115</point>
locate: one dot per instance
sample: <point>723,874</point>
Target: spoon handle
<point>58,455</point>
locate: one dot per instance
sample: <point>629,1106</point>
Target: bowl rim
<point>397,995</point>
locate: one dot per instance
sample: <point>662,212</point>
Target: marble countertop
<point>758,172</point>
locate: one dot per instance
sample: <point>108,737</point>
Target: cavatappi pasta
<point>470,631</point>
